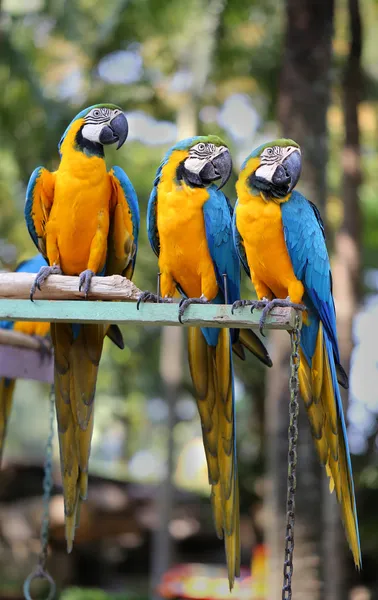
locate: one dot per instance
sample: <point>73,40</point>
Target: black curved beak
<point>291,167</point>
<point>116,131</point>
<point>219,167</point>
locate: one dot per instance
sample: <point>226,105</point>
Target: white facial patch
<point>200,154</point>
<point>266,171</point>
<point>92,132</point>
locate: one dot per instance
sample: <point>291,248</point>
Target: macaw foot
<point>45,347</point>
<point>150,297</point>
<point>185,302</point>
<point>85,281</point>
<point>259,304</point>
<point>272,304</point>
<point>43,274</point>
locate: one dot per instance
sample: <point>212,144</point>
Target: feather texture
<point>287,256</point>
<point>212,376</point>
<point>189,229</point>
<point>82,218</point>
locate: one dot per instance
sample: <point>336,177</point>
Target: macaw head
<point>273,169</point>
<point>97,126</point>
<point>203,160</point>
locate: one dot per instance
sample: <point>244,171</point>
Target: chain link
<point>40,571</point>
<point>295,336</point>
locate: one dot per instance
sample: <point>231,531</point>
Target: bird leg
<point>42,275</point>
<point>272,304</point>
<point>85,281</point>
<point>151,297</point>
<point>45,347</point>
<point>185,302</point>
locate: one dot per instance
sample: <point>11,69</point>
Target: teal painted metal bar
<point>81,311</point>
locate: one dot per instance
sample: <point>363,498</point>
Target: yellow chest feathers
<point>179,208</point>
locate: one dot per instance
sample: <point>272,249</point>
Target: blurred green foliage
<point>50,53</point>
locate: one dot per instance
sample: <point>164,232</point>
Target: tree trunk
<point>346,269</point>
<point>303,103</point>
<point>305,88</point>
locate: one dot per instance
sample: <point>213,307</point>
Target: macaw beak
<point>287,174</point>
<point>219,167</point>
<point>278,180</point>
<point>116,131</point>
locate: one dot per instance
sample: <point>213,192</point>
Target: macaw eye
<point>96,113</point>
<point>269,151</point>
<point>201,146</point>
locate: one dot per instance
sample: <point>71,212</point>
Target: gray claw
<point>272,304</point>
<point>150,297</point>
<point>240,304</point>
<point>146,297</point>
<point>42,275</point>
<point>85,281</point>
<point>185,302</point>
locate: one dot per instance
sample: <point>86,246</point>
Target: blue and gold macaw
<point>189,228</point>
<point>85,221</point>
<point>38,330</point>
<point>279,236</point>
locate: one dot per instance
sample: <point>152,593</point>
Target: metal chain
<point>40,571</point>
<point>295,336</point>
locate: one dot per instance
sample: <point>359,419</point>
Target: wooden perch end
<point>18,339</point>
<point>62,287</point>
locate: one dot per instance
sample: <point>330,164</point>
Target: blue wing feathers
<point>304,237</point>
<point>131,199</point>
<point>218,225</point>
<point>152,230</point>
<point>239,245</point>
<point>28,209</point>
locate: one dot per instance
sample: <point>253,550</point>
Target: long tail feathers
<point>320,391</point>
<point>249,340</point>
<point>212,375</point>
<point>6,398</point>
<point>76,364</point>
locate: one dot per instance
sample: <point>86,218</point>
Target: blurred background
<point>248,70</point>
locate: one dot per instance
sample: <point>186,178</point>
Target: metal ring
<point>39,573</point>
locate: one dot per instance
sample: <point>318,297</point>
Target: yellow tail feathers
<point>211,371</point>
<point>321,401</point>
<point>76,367</point>
<point>6,398</point>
